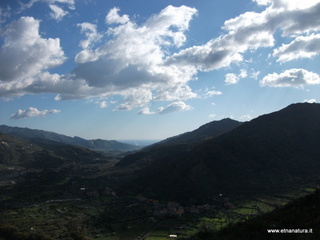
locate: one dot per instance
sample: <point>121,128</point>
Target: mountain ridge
<point>273,152</point>
<point>182,142</point>
<point>106,146</point>
<point>18,152</point>
<point>208,130</point>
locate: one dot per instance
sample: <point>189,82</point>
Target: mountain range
<point>17,152</point>
<point>220,165</point>
<point>106,146</point>
<point>274,152</point>
<point>179,143</point>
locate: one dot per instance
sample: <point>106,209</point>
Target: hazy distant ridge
<point>107,146</point>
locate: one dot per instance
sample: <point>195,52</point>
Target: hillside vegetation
<point>274,152</point>
<point>216,182</point>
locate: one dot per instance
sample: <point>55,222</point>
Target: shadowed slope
<point>274,152</point>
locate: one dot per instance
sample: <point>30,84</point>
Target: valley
<point>189,189</point>
<point>90,205</point>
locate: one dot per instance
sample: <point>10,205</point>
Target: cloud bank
<point>147,62</point>
<point>24,55</point>
<point>131,64</point>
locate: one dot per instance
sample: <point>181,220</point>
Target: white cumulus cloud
<point>232,78</point>
<point>57,12</point>
<point>250,31</point>
<point>33,112</point>
<point>145,111</point>
<point>145,62</point>
<point>174,107</point>
<point>212,93</point>
<point>132,63</point>
<point>25,53</point>
<point>301,47</point>
<point>113,17</point>
<point>291,78</point>
<point>90,30</point>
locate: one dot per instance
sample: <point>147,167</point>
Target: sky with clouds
<point>153,69</point>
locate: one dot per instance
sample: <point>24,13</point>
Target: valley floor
<point>84,203</point>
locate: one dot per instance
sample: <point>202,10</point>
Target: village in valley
<point>157,209</point>
<point>171,209</point>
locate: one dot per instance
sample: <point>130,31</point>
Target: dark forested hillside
<point>209,130</point>
<point>180,143</point>
<point>274,152</point>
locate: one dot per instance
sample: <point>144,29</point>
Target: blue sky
<point>144,69</point>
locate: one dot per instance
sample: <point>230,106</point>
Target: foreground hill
<point>107,146</point>
<point>179,143</point>
<point>271,153</point>
<point>299,220</point>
